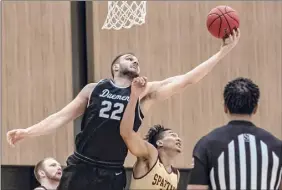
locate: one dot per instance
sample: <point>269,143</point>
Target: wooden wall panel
<point>37,76</point>
<point>175,39</point>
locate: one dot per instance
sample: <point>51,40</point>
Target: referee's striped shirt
<point>239,156</point>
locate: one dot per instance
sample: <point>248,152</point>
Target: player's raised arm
<point>70,112</point>
<point>161,90</point>
<point>136,145</point>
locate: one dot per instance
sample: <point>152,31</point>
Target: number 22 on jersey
<point>110,110</point>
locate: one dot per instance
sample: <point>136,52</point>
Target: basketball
<point>221,20</point>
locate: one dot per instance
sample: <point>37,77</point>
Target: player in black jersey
<point>238,155</point>
<point>97,162</point>
<point>48,173</point>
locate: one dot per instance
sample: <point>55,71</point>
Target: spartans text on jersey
<point>162,183</point>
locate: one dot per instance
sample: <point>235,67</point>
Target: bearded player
<point>153,168</point>
<point>48,173</point>
<point>100,153</point>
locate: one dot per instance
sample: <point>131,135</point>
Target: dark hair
<point>155,133</point>
<point>241,96</point>
<point>115,60</point>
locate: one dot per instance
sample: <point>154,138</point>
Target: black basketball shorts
<point>84,176</point>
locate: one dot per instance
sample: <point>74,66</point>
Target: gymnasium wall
<point>45,49</point>
<point>174,40</point>
<point>36,76</point>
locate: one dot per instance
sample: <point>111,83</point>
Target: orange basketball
<point>222,20</point>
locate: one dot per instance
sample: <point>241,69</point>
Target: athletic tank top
<point>100,138</point>
<point>157,178</point>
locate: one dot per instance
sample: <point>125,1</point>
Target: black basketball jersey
<point>240,156</point>
<point>100,138</point>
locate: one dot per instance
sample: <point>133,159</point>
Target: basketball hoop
<point>125,14</point>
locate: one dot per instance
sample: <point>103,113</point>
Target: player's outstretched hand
<point>15,136</point>
<point>138,86</point>
<point>230,42</point>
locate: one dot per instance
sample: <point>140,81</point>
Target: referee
<point>238,155</point>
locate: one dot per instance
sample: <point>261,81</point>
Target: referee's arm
<point>199,178</point>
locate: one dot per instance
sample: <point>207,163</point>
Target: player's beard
<point>54,177</point>
<point>129,74</point>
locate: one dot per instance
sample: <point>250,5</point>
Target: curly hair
<point>155,133</point>
<point>241,96</point>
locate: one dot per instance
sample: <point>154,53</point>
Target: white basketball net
<point>125,14</point>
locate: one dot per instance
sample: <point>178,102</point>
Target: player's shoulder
<point>91,86</point>
<point>104,80</point>
<point>88,88</point>
<point>175,171</point>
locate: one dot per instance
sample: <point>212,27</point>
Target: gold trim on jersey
<point>145,173</point>
<point>157,178</point>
